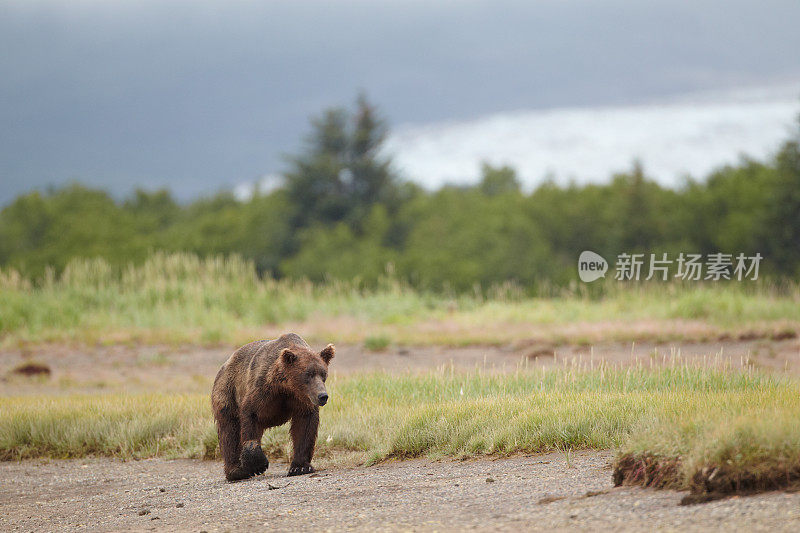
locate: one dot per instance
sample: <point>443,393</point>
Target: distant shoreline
<point>692,134</point>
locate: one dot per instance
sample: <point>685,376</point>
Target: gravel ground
<point>542,492</point>
<point>529,493</point>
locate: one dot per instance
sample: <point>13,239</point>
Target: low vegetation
<point>676,424</point>
<point>182,298</point>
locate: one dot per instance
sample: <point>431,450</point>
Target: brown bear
<point>263,385</point>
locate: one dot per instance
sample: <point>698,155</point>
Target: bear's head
<point>305,372</point>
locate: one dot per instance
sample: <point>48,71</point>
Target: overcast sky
<point>198,96</point>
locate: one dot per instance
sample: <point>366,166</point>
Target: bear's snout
<point>322,398</point>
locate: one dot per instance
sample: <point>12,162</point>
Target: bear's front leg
<point>304,437</point>
<point>252,460</point>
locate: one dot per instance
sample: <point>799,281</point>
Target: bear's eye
<point>309,375</point>
<point>324,376</point>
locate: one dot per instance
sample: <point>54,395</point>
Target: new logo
<point>591,266</point>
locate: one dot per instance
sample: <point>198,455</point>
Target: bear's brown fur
<point>262,385</point>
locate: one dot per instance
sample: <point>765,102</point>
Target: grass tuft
<point>377,343</point>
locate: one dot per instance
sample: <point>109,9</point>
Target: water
<point>686,135</point>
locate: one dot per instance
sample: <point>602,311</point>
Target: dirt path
<point>192,368</point>
<point>525,493</point>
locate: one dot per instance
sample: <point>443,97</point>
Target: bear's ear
<point>327,353</point>
<point>288,356</point>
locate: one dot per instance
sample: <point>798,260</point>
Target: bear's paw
<point>299,470</point>
<point>253,460</point>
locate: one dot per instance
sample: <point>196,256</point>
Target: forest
<point>343,212</point>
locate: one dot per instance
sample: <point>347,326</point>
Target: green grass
<point>377,343</point>
<point>181,298</point>
<point>698,418</point>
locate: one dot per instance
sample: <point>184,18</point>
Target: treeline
<point>343,213</point>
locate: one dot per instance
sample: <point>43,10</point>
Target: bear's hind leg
<point>228,431</point>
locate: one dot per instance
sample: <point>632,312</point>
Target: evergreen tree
<point>498,180</point>
<point>342,174</point>
<point>783,227</point>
